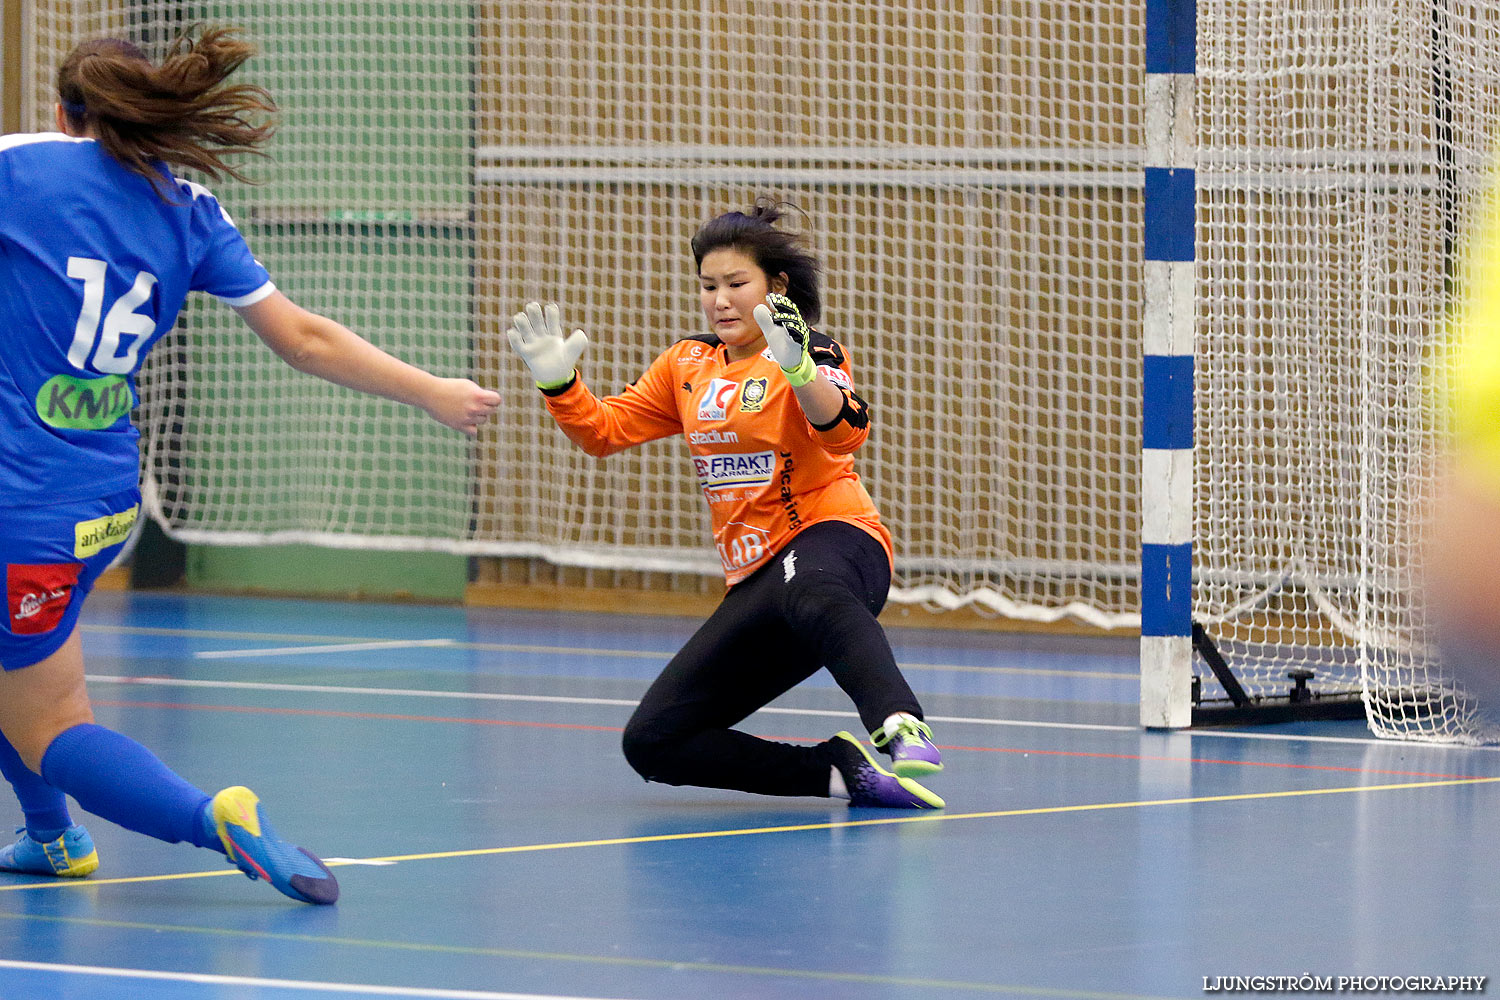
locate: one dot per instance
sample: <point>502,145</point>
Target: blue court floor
<point>461,768</point>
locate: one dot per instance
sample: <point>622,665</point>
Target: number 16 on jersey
<point>122,320</point>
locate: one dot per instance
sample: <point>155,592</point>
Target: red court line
<point>391,717</point>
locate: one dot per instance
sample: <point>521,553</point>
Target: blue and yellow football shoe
<point>254,848</point>
<point>71,855</point>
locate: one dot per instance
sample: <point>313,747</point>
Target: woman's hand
<point>461,404</point>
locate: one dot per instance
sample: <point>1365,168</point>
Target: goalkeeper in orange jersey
<point>771,419</point>
<point>1463,557</point>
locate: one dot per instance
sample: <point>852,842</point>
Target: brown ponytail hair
<point>180,112</point>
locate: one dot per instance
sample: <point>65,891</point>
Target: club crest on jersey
<point>715,402</point>
<point>753,395</point>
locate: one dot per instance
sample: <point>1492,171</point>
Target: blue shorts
<point>51,557</point>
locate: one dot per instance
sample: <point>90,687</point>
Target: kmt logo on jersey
<point>729,472</point>
<point>37,596</point>
<point>88,404</point>
<point>715,402</point>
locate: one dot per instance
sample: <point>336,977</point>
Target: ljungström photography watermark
<point>1344,984</point>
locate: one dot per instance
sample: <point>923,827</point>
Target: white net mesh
<point>1342,149</point>
<point>970,177</point>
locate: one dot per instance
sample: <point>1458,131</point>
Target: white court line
<point>342,647</point>
<point>488,647</point>
<point>281,984</point>
<point>507,647</point>
<point>335,689</point>
<point>1366,740</point>
<point>553,699</point>
<point>772,710</point>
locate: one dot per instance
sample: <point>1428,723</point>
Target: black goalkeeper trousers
<point>811,607</point>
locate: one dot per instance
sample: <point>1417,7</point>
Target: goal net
<point>1343,151</point>
<point>971,177</point>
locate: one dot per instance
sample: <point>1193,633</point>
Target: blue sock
<point>45,808</point>
<point>113,776</point>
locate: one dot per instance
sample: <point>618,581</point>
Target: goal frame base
<point>1299,704</point>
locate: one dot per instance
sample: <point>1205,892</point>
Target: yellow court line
<point>924,817</point>
<point>928,817</point>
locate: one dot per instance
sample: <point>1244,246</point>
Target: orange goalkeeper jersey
<point>765,471</point>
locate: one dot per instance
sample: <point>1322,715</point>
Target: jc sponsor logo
<point>37,596</point>
<point>715,402</point>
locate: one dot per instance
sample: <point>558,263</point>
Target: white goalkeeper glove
<point>536,335</point>
<point>788,337</point>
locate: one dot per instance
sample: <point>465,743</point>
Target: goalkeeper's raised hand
<point>536,335</point>
<point>789,338</point>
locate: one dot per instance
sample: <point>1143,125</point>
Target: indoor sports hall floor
<point>463,767</point>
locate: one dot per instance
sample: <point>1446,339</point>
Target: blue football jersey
<point>94,268</point>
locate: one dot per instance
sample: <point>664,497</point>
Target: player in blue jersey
<point>99,245</point>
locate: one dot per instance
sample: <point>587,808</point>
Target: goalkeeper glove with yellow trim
<point>789,338</point>
<point>536,335</point>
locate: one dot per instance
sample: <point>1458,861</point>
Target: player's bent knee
<point>31,730</point>
<point>32,736</point>
<point>649,754</point>
<point>31,741</point>
<point>639,748</point>
<point>808,602</point>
